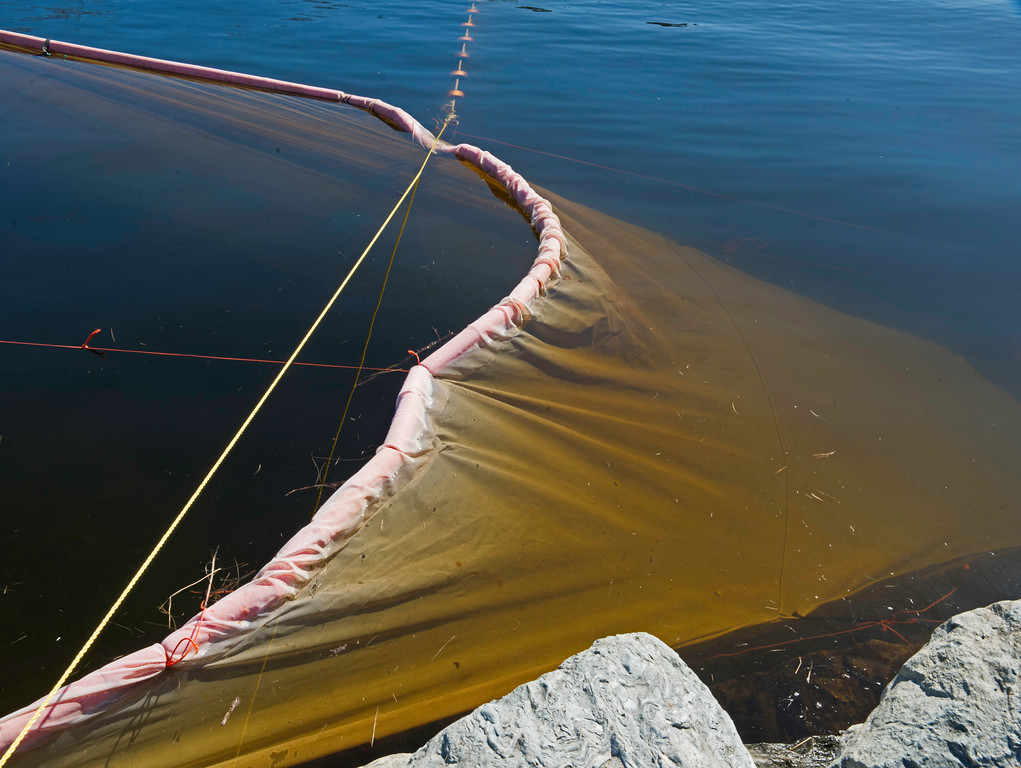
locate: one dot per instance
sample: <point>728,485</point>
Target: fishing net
<point>637,438</point>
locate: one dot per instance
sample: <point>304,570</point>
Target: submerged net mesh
<point>639,438</point>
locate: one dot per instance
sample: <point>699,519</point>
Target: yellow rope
<point>180,516</point>
<point>365,350</point>
<point>255,692</point>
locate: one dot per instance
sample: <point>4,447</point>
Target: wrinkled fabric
<point>667,445</point>
<point>638,438</point>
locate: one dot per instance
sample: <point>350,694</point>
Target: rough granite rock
<point>957,702</point>
<point>628,700</point>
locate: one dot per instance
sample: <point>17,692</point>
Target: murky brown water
<point>669,446</point>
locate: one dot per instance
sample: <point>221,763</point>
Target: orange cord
<point>97,350</point>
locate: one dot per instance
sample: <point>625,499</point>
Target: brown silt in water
<point>667,445</point>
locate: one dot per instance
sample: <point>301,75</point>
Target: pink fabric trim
<point>56,47</point>
<point>411,421</point>
<point>220,626</point>
<point>85,697</point>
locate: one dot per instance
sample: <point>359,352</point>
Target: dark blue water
<point>898,116</point>
<point>185,218</point>
<point>866,155</point>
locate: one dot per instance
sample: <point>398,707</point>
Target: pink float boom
<point>221,626</point>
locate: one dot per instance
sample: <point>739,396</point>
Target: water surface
<point>865,156</point>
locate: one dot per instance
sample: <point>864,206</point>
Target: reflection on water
<point>322,9</point>
<point>67,11</point>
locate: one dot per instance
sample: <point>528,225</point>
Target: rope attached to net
<point>216,465</point>
<point>101,351</point>
<point>321,481</point>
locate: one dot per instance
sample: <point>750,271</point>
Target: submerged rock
<point>628,700</point>
<point>813,752</point>
<point>957,702</point>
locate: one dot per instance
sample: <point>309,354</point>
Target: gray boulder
<point>957,702</point>
<point>627,701</point>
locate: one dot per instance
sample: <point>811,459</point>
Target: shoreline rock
<point>957,702</point>
<point>630,701</point>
